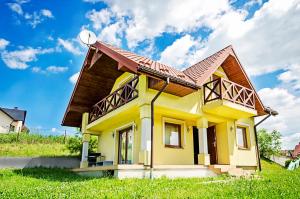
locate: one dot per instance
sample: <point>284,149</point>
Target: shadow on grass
<point>58,175</point>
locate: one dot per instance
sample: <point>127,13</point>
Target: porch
<point>123,171</point>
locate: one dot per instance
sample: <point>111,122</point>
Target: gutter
<point>164,75</point>
<point>152,119</point>
<point>270,113</point>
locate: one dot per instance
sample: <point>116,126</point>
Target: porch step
<point>227,169</point>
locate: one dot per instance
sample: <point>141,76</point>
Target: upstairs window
<point>241,137</point>
<point>172,135</point>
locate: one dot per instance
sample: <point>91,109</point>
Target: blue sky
<point>41,53</point>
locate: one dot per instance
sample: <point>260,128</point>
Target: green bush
<point>287,163</point>
<point>269,143</point>
<point>74,144</point>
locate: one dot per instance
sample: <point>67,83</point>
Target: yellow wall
<point>108,139</point>
<point>222,143</point>
<point>188,109</point>
<point>178,156</point>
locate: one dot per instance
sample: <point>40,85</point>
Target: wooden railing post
<point>114,100</point>
<point>230,91</point>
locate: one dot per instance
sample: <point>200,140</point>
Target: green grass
<point>33,145</point>
<point>33,150</point>
<point>274,182</point>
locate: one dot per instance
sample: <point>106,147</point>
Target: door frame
<point>196,144</point>
<point>216,144</point>
<point>120,132</point>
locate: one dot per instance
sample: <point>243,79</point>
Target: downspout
<point>152,119</point>
<point>270,113</point>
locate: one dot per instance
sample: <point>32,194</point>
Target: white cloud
<point>70,45</point>
<point>3,43</point>
<point>19,59</point>
<point>50,70</point>
<point>288,106</point>
<point>38,17</point>
<point>46,13</point>
<point>99,18</point>
<point>145,22</point>
<point>291,78</point>
<point>16,8</point>
<point>56,69</point>
<point>177,54</point>
<point>112,34</point>
<point>33,18</point>
<point>73,79</point>
<point>92,1</point>
<point>264,43</point>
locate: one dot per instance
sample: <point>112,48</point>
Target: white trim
<point>175,121</point>
<point>116,132</point>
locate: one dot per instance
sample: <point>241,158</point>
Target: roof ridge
<point>210,56</point>
<point>146,60</point>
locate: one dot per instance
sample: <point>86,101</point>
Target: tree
<point>269,143</point>
<point>74,144</point>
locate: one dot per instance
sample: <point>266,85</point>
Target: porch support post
<point>145,116</point>
<point>85,141</point>
<point>203,156</point>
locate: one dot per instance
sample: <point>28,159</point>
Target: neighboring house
<point>12,120</point>
<point>203,120</point>
<point>296,151</point>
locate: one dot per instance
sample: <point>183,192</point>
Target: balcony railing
<point>114,100</point>
<point>227,90</point>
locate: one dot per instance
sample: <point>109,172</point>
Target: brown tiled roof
<point>151,64</point>
<point>194,76</point>
<point>201,71</point>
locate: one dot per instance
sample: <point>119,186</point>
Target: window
<point>241,137</point>
<point>172,135</point>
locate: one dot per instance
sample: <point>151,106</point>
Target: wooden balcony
<point>118,98</point>
<point>222,89</point>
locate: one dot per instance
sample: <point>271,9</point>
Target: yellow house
<point>154,120</point>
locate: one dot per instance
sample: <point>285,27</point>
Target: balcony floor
<point>228,109</point>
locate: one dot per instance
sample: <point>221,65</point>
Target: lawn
<point>273,182</point>
<point>33,145</point>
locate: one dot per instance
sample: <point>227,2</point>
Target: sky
<point>41,54</point>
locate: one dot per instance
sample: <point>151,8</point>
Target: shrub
<point>74,144</point>
<point>287,163</point>
<point>269,143</point>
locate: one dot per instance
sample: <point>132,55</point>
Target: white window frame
<point>248,135</point>
<point>116,137</point>
<point>182,123</point>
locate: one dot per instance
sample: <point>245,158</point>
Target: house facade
<point>12,120</point>
<point>152,117</point>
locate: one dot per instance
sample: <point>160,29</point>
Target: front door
<point>196,144</point>
<point>212,144</point>
<point>125,146</point>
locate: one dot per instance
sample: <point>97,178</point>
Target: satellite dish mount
<point>87,37</point>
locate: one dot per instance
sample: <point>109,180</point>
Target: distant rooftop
<point>15,113</point>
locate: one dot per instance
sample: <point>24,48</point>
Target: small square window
<point>172,135</point>
<point>241,137</point>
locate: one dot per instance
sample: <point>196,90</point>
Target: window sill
<point>243,148</point>
<point>173,147</point>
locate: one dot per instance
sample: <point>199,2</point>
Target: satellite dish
<point>87,37</point>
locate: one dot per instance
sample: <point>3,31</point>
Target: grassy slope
<point>276,182</point>
<point>33,150</point>
<point>32,145</point>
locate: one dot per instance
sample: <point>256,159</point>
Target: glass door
<point>125,146</point>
